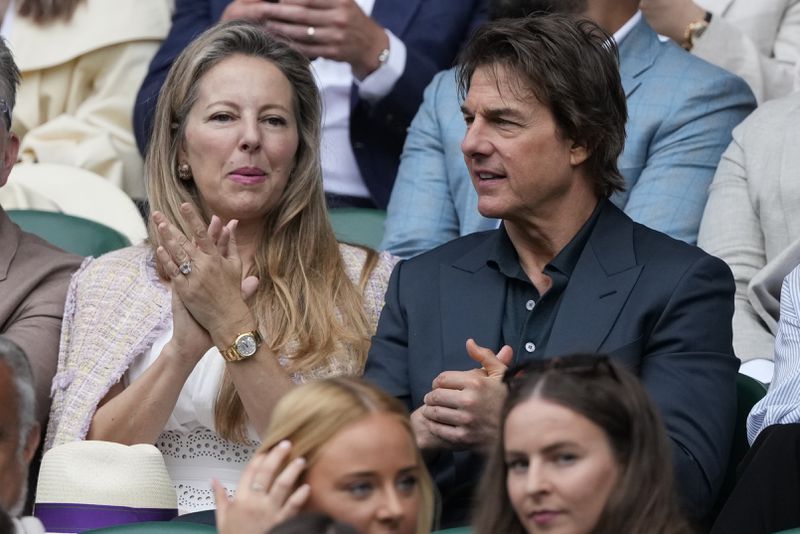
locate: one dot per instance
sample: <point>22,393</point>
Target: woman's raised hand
<point>206,272</point>
<point>266,495</point>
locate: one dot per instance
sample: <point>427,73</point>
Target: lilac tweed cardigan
<point>116,308</point>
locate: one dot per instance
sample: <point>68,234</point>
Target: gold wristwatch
<point>245,345</point>
<point>694,30</point>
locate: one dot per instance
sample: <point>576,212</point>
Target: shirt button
<point>530,305</point>
<point>530,347</point>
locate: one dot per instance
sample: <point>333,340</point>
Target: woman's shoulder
<point>375,281</point>
<point>127,266</point>
<point>355,258</point>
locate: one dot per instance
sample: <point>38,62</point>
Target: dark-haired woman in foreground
<point>582,450</point>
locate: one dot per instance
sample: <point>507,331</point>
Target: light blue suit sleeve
<point>782,402</point>
<point>421,213</point>
<point>670,158</point>
<point>433,200</point>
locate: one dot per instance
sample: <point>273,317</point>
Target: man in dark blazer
<point>566,272</point>
<point>431,32</point>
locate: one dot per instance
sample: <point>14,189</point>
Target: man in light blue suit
<point>681,113</point>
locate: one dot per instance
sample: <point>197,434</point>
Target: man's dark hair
<point>572,67</point>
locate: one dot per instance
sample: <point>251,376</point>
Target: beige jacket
<point>79,84</point>
<point>752,218</point>
<point>757,39</point>
<point>34,276</point>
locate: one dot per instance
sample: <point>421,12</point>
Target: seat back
<point>77,192</point>
<point>73,234</point>
<point>155,527</point>
<point>358,226</point>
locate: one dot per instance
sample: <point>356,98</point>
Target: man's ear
<point>32,442</point>
<point>9,157</point>
<point>578,154</point>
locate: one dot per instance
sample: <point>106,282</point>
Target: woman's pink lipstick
<point>544,517</point>
<point>248,175</point>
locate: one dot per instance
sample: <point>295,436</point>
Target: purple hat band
<point>67,517</point>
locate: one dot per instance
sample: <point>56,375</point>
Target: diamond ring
<point>311,31</point>
<point>185,267</point>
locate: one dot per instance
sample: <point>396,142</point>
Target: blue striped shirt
<point>782,402</point>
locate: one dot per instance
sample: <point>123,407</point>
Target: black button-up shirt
<point>528,316</point>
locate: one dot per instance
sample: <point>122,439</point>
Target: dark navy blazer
<point>658,306</point>
<point>433,32</point>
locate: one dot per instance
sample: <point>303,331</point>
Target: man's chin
<point>490,211</point>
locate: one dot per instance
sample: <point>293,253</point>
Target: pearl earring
<point>184,171</point>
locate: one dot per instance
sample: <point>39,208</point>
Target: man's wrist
<point>374,56</point>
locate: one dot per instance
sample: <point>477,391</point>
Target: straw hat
<point>93,484</point>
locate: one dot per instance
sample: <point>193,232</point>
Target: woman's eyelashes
<point>558,457</point>
<point>269,120</point>
<point>405,484</point>
<point>359,489</point>
<point>221,117</point>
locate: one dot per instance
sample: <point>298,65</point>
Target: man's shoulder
<point>669,255</point>
<point>660,253</point>
<point>772,119</point>
<point>697,76</point>
<point>452,251</point>
<point>35,252</point>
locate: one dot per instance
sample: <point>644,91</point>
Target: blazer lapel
<point>474,296</point>
<point>637,53</point>
<point>598,288</point>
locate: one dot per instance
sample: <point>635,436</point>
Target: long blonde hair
<point>310,415</point>
<point>305,303</point>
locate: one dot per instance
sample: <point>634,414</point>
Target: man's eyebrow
<point>495,113</point>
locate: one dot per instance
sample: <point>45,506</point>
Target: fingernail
<point>285,444</point>
<point>300,461</point>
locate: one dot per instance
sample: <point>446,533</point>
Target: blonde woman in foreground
<point>340,447</point>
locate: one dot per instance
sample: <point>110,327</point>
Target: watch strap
<point>232,354</point>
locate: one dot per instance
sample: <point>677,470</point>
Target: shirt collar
<point>503,256</point>
<point>626,28</point>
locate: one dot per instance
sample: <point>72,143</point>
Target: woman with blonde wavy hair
<point>339,447</point>
<point>243,291</point>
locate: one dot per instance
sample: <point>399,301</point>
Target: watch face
<point>246,345</point>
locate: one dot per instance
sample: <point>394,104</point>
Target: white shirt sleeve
<point>381,82</point>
